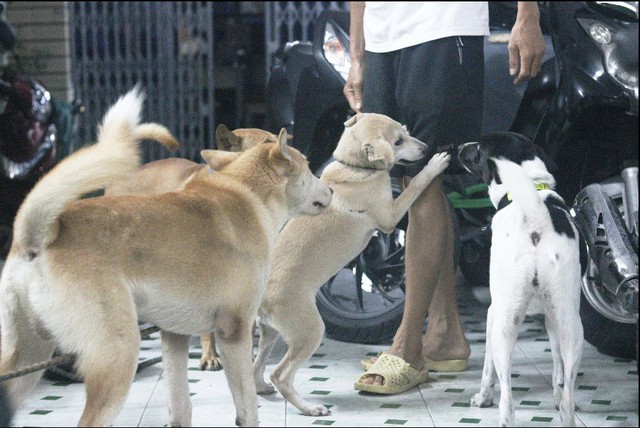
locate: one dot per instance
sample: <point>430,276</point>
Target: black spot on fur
<point>534,281</point>
<point>509,145</point>
<point>31,255</point>
<point>559,216</point>
<point>535,238</point>
<point>561,385</point>
<point>516,320</point>
<point>491,173</point>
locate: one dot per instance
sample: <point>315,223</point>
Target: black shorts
<point>435,89</point>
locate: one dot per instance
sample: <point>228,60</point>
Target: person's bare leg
<point>429,273</point>
<point>444,339</point>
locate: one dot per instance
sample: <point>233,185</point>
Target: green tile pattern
<point>323,422</point>
<point>51,397</point>
<point>530,403</point>
<point>390,406</point>
<point>395,421</point>
<point>319,392</point>
<point>40,412</point>
<point>601,402</point>
<point>541,419</point>
<point>617,418</point>
<point>469,421</point>
<point>319,379</point>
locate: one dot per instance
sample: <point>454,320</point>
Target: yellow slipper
<point>434,365</point>
<point>398,376</point>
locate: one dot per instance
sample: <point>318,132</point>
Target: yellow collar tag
<point>539,186</point>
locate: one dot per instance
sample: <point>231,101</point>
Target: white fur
<point>516,263</point>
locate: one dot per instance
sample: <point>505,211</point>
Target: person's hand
<point>353,87</point>
<point>526,44</point>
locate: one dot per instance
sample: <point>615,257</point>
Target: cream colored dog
<point>82,272</point>
<point>170,175</point>
<point>311,250</point>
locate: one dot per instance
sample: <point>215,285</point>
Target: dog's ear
<point>280,154</point>
<point>227,140</point>
<point>218,159</point>
<point>353,120</point>
<point>378,152</point>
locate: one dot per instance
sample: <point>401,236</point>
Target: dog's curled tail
<point>114,157</point>
<point>522,189</point>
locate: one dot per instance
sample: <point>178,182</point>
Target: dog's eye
<point>399,142</point>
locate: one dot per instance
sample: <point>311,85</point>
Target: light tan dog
<point>310,250</point>
<point>81,273</point>
<point>170,175</point>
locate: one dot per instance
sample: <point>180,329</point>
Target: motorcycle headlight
<point>619,45</point>
<point>335,52</point>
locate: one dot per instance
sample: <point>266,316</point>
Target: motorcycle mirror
<point>625,11</point>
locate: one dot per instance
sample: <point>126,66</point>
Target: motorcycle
<point>581,109</point>
<point>35,132</point>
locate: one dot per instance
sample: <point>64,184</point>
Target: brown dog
<point>170,175</point>
<point>82,272</point>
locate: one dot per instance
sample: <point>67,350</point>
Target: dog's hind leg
<point>108,365</point>
<point>570,339</point>
<point>236,350</point>
<point>504,331</point>
<point>175,357</point>
<point>210,360</point>
<point>302,344</point>
<point>484,398</point>
<point>22,346</point>
<point>558,366</point>
<point>268,338</point>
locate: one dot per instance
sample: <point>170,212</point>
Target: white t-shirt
<point>389,26</point>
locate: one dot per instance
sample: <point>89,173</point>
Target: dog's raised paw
<point>439,162</point>
<point>479,400</point>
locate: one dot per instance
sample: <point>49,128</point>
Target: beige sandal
<point>398,376</point>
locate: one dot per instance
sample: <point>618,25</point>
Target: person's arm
<point>353,87</point>
<point>526,44</point>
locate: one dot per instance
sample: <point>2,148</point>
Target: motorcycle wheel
<point>614,334</point>
<point>364,302</point>
<point>607,326</point>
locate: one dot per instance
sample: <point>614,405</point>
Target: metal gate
<point>165,46</point>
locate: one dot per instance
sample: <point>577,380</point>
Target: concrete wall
<point>43,43</point>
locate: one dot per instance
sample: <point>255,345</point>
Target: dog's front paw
<point>481,400</point>
<point>438,163</point>
<point>318,410</point>
<point>212,364</point>
<point>264,388</point>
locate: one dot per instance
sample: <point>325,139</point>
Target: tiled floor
<point>606,395</point>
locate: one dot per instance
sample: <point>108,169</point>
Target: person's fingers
<point>354,97</point>
<point>514,59</point>
<point>525,68</point>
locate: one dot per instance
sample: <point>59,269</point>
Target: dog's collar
<point>357,166</point>
<point>506,199</point>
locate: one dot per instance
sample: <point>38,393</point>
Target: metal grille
<point>287,21</point>
<point>167,47</point>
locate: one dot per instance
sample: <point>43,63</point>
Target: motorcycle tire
<point>354,305</point>
<point>609,337</point>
